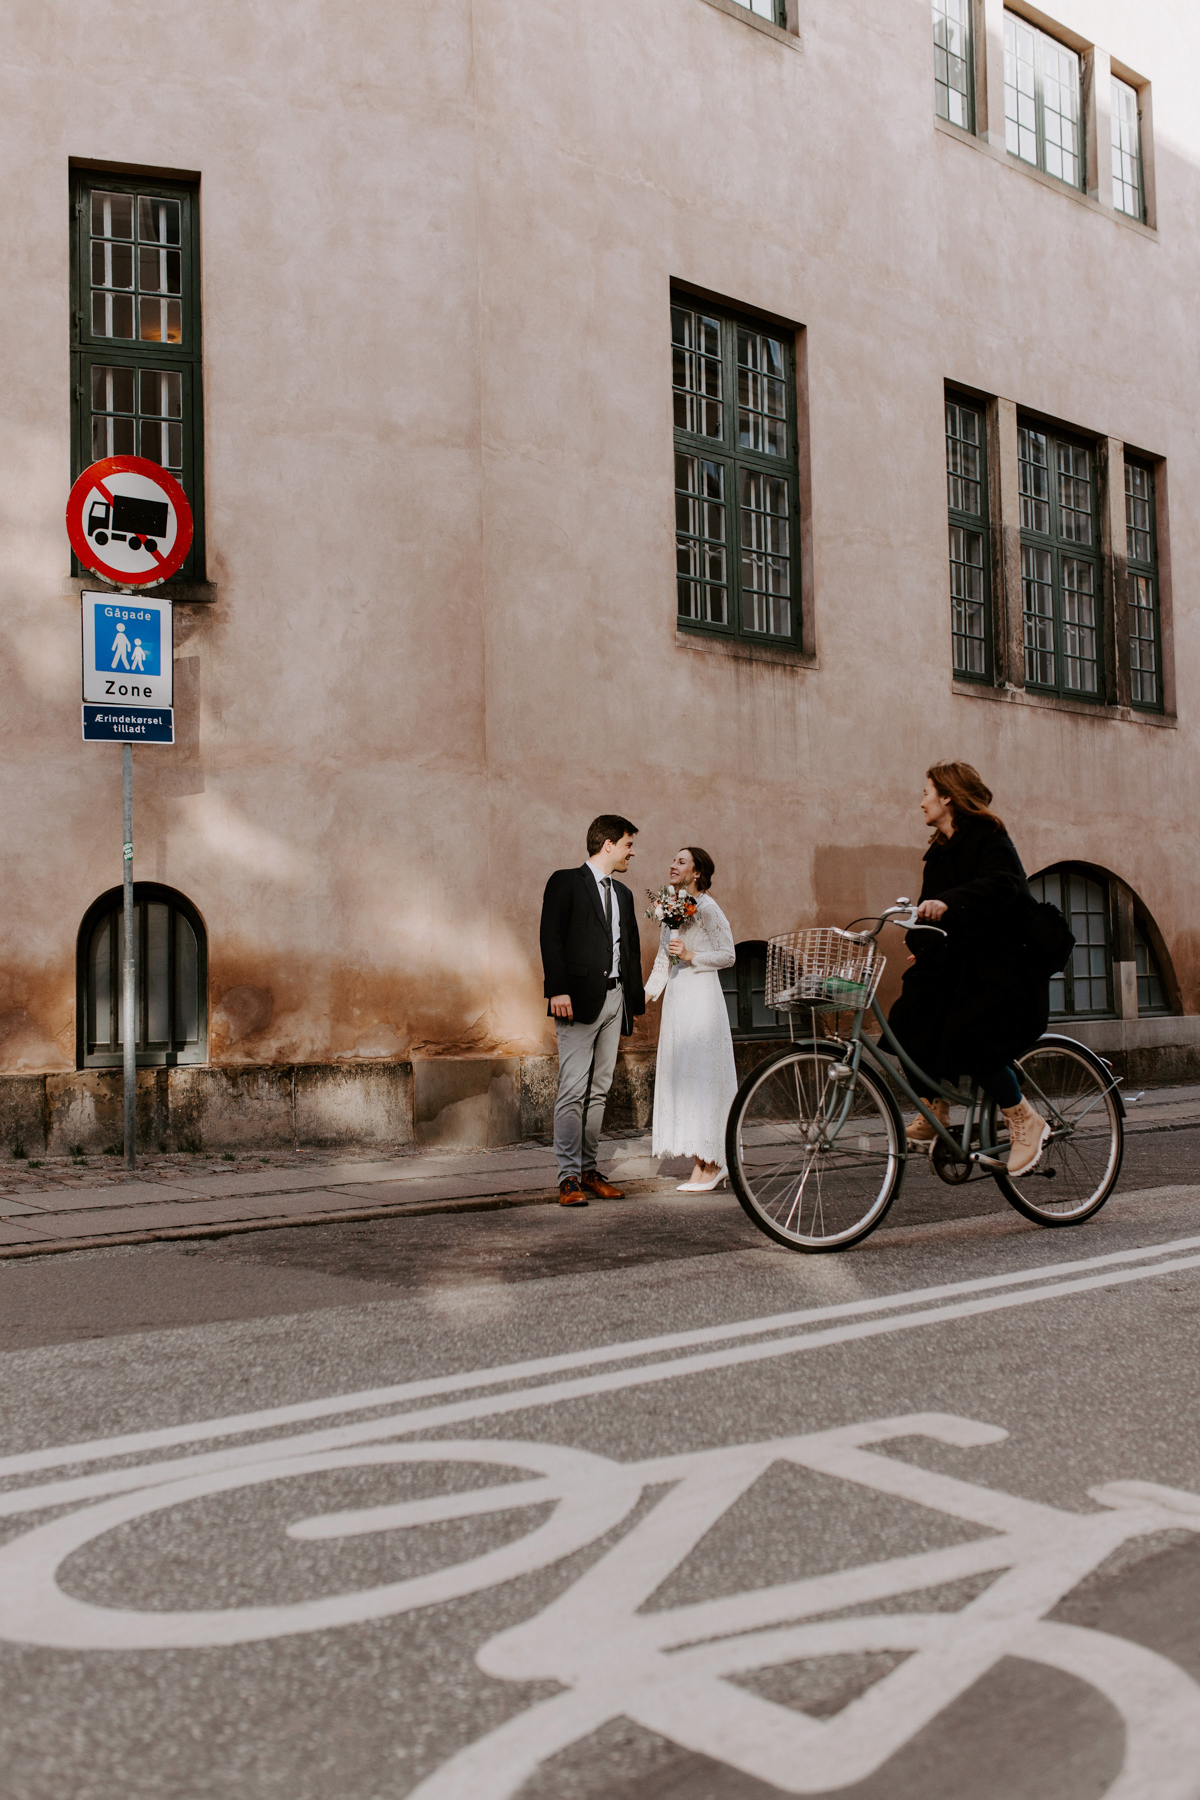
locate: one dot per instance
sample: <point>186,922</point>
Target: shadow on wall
<point>854,883</point>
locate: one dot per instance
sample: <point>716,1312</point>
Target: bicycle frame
<point>987,1155</point>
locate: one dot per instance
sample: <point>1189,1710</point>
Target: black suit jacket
<point>577,945</point>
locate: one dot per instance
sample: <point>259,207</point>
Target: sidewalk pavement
<point>55,1206</point>
<point>85,1202</point>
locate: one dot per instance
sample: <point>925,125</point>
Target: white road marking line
<point>432,1418</point>
<point>134,1443</point>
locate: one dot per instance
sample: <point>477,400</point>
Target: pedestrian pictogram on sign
<point>129,521</point>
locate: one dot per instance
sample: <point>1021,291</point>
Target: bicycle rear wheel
<point>1071,1087</point>
<point>805,1175</point>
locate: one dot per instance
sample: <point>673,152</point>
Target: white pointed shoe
<point>703,1187</point>
<point>1027,1134</point>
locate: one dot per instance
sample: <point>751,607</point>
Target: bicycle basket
<point>821,968</point>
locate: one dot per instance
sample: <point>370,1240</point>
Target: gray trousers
<point>587,1056</point>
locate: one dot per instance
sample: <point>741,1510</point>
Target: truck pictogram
<point>128,519</point>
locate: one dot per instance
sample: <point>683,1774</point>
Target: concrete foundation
<point>453,1102</point>
<point>210,1109</point>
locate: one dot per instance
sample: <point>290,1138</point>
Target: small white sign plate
<point>128,650</point>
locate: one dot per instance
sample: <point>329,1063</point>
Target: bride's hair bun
<point>704,866</point>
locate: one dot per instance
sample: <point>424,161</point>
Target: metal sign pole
<point>129,969</point>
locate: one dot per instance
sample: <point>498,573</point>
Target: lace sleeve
<point>721,954</point>
<point>658,975</point>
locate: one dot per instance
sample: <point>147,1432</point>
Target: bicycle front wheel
<point>1071,1088</point>
<point>815,1157</point>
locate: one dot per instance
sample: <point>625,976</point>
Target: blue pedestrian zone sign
<point>128,725</point>
<point>128,660</point>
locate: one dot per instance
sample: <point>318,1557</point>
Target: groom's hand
<point>560,1006</point>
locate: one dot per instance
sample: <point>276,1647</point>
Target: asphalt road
<point>618,1504</point>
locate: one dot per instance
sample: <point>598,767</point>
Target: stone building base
<point>448,1102</point>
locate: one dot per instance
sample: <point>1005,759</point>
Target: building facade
<point>707,411</point>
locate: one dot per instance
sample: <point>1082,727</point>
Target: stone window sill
<point>182,593</point>
<point>743,650</point>
<point>1011,696</point>
<point>999,153</point>
<point>746,17</point>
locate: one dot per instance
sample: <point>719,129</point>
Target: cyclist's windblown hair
<point>967,792</point>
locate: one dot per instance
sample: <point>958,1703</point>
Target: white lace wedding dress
<point>695,1079</point>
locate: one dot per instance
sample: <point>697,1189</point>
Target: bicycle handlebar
<point>904,914</point>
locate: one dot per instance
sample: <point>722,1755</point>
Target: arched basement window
<point>1086,987</point>
<point>745,989</point>
<point>172,958</point>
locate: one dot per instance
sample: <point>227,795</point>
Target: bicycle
<point>815,1144</point>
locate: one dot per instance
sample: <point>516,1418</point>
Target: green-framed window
<point>737,519</point>
<point>1043,117</point>
<point>171,1010</point>
<point>1128,188</point>
<point>970,549</point>
<point>1060,563</point>
<point>1141,549</point>
<point>1085,987</point>
<point>135,330</point>
<point>953,76</point>
<point>775,10</point>
<point>745,990</point>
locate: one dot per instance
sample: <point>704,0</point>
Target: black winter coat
<point>970,1002</point>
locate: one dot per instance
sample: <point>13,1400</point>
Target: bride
<point>695,1078</point>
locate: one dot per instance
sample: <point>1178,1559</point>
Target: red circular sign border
<point>86,552</point>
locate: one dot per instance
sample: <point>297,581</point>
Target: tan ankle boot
<point>1027,1134</point>
<point>921,1131</point>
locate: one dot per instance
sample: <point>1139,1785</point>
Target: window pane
<point>158,221</point>
<point>1126,150</point>
<point>112,216</point>
<point>762,409</point>
<point>1143,642</point>
<point>1020,88</point>
<point>766,554</point>
<point>964,435</point>
<point>187,983</point>
<point>761,1017</point>
<point>156,977</point>
<point>1037,598</point>
<point>951,53</point>
<point>1074,494</point>
<point>966,601</point>
<point>1139,494</point>
<point>1060,109</point>
<point>1151,993</point>
<point>99,996</point>
<point>1080,670</point>
<point>696,345</point>
<point>1090,961</point>
<point>1033,474</point>
<point>112,397</point>
<point>700,540</point>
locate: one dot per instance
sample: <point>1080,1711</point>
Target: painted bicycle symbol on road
<point>674,1670</point>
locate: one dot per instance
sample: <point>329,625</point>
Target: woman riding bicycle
<point>970,1002</point>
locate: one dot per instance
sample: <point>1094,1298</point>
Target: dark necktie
<point>607,886</point>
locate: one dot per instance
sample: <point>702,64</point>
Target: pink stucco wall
<point>438,242</point>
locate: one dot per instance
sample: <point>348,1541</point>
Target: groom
<point>592,958</point>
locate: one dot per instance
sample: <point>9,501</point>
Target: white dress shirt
<point>601,878</point>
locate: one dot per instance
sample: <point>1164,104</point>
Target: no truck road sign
<point>129,521</point>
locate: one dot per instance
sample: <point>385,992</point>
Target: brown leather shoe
<point>570,1192</point>
<point>594,1182</point>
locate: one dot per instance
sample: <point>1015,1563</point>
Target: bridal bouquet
<point>671,906</point>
